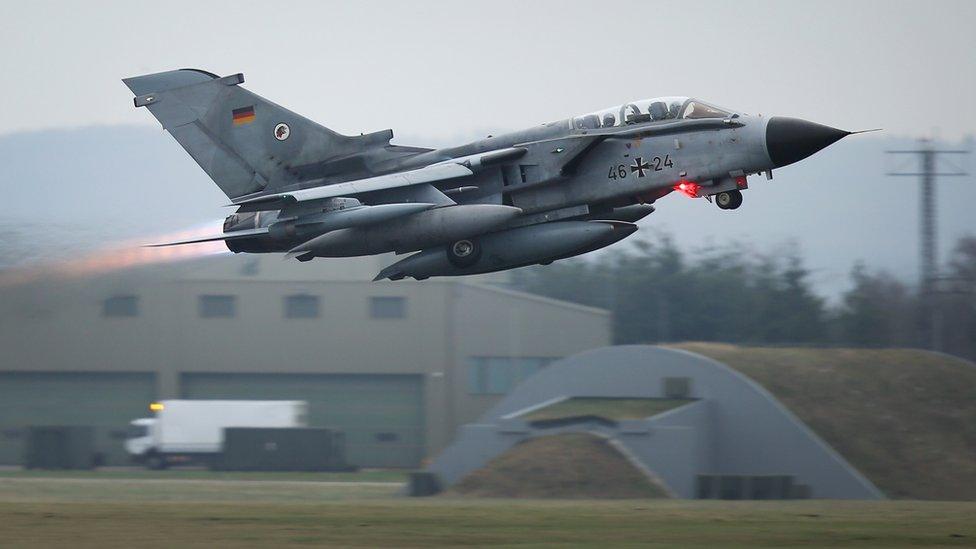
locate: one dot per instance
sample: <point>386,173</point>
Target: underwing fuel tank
<point>282,235</point>
<point>343,219</point>
<point>413,232</point>
<point>512,248</point>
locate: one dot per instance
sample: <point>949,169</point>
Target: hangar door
<point>106,401</point>
<point>381,415</point>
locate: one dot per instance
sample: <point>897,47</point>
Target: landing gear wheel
<point>464,253</point>
<point>737,199</point>
<point>729,200</point>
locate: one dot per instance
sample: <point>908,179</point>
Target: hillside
<point>905,418</point>
<point>559,466</point>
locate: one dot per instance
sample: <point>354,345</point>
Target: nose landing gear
<point>729,200</point>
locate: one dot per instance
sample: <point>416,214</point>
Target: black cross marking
<point>639,166</point>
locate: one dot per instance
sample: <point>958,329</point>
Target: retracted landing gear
<point>729,200</point>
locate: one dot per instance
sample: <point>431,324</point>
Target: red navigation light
<point>689,188</point>
<point>741,182</point>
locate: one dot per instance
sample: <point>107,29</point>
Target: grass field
<point>201,474</point>
<point>90,512</point>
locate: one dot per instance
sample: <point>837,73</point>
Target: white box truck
<point>192,431</point>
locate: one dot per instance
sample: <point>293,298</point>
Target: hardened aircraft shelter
<point>714,432</point>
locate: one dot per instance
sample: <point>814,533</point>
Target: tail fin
<point>244,142</point>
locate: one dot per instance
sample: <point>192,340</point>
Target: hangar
<point>396,366</point>
<point>695,426</point>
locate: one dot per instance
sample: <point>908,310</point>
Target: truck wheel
<point>464,253</point>
<point>156,461</point>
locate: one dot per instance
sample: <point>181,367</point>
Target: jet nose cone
<point>790,140</point>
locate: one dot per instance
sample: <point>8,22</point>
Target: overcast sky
<point>440,69</point>
<point>439,73</point>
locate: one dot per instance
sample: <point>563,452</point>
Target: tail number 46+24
<point>640,166</point>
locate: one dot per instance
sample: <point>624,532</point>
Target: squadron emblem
<point>282,131</point>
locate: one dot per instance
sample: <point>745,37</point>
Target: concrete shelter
<point>727,437</point>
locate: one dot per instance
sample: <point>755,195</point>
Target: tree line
<point>733,294</point>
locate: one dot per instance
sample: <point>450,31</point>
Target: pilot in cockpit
<point>675,109</point>
<point>609,120</point>
<point>658,110</point>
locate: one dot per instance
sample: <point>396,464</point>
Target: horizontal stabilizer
<point>226,236</point>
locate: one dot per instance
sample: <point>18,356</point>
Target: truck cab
<point>139,438</point>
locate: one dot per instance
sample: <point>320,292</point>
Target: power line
<point>927,172</point>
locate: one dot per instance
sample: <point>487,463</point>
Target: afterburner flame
<point>124,255</point>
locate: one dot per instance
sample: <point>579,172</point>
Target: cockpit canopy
<point>649,110</point>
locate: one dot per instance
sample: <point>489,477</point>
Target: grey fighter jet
<point>545,193</point>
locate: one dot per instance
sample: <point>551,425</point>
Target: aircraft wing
<point>428,174</point>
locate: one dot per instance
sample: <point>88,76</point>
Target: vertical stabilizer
<point>244,142</point>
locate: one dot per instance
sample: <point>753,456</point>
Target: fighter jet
<point>534,196</point>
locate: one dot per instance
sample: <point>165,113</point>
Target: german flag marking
<point>243,115</point>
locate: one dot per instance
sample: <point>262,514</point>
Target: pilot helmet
<point>673,109</point>
<point>658,110</point>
